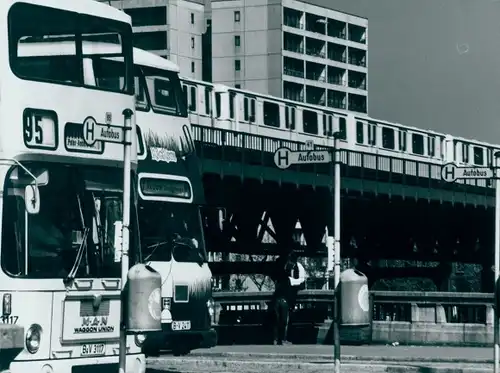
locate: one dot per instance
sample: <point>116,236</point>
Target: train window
<point>192,104</point>
<point>310,121</point>
<point>245,109</point>
<point>465,153</point>
<point>208,105</point>
<point>271,114</point>
<point>342,128</point>
<point>232,95</point>
<point>478,156</point>
<point>290,117</point>
<point>218,100</point>
<point>402,140</point>
<point>388,138</point>
<point>431,144</point>
<point>252,110</point>
<point>372,134</point>
<point>417,144</point>
<point>360,133</point>
<point>326,129</point>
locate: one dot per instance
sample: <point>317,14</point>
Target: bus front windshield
<point>73,234</point>
<point>171,231</point>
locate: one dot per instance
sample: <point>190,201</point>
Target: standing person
<point>287,279</point>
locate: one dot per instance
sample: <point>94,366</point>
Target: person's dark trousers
<point>280,324</point>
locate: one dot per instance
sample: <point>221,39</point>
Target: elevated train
<point>274,117</point>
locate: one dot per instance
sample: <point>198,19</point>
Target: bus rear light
<point>7,304</point>
<point>33,338</point>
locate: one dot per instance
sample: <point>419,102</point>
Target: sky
<point>433,64</point>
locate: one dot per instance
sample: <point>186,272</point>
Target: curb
<point>248,366</point>
<point>350,358</point>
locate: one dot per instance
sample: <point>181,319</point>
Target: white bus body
<point>58,274</point>
<point>171,192</point>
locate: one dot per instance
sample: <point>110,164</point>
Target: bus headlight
<point>33,338</point>
<point>139,339</point>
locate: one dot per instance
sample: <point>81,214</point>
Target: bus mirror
<point>43,178</point>
<point>32,199</point>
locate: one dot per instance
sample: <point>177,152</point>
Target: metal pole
<point>336,273</point>
<point>127,114</point>
<point>496,350</point>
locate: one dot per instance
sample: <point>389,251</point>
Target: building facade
<point>170,28</point>
<point>291,49</point>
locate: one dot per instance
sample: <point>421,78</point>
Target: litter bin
<point>355,313</point>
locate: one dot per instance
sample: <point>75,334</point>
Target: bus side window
<point>185,95</point>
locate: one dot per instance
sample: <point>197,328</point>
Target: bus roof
<point>144,58</point>
<point>90,7</point>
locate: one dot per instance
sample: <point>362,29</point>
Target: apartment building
<point>170,28</point>
<point>291,49</point>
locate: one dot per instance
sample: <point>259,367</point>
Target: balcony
<point>293,67</point>
<point>292,72</point>
<point>293,43</point>
<point>336,29</point>
<point>336,76</point>
<point>315,24</point>
<point>357,57</point>
<point>337,52</point>
<point>292,18</point>
<point>357,34</point>
<point>315,48</point>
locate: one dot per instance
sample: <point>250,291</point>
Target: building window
<point>192,42</point>
<point>237,41</point>
<point>237,86</point>
<point>237,16</point>
<point>237,65</point>
<point>192,67</point>
<point>192,18</point>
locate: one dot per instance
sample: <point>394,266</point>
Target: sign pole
<point>127,141</point>
<point>450,173</point>
<point>336,249</point>
<point>496,328</point>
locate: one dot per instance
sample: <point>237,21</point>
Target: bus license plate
<point>181,325</point>
<point>93,349</point>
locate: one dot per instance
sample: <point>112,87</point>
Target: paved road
<point>483,355</point>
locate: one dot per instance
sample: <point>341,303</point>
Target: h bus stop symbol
<point>89,128</point>
<point>448,173</point>
<point>282,158</point>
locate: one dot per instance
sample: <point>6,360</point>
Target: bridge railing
<point>406,317</point>
<point>316,306</point>
<point>257,150</point>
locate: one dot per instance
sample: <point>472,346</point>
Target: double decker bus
<point>62,198</point>
<point>170,196</point>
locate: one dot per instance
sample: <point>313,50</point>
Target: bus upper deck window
<point>43,44</point>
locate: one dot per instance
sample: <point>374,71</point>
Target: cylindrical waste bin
<point>143,299</point>
<point>354,298</point>
<point>355,315</point>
